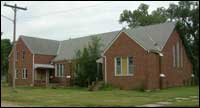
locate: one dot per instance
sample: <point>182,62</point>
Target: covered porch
<point>43,74</point>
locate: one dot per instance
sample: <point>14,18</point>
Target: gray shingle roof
<point>146,36</point>
<point>41,46</point>
<point>68,47</point>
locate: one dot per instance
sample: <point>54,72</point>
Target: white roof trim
<point>110,44</point>
<point>24,43</point>
<point>27,46</point>
<point>43,66</point>
<point>100,60</point>
<point>169,38</point>
<point>59,47</point>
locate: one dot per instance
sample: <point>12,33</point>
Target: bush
<point>108,87</point>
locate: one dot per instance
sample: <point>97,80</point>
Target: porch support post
<point>47,79</point>
<point>98,70</point>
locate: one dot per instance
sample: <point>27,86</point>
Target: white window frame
<point>181,56</point>
<point>128,73</point>
<point>174,56</point>
<point>59,70</point>
<point>178,56</point>
<point>24,72</point>
<point>116,66</point>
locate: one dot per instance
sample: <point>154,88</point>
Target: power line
<point>70,10</point>
<point>7,18</point>
<point>14,7</point>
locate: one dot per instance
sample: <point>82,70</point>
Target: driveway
<point>8,104</point>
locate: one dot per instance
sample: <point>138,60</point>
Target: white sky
<point>61,20</point>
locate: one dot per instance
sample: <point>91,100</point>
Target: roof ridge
<point>91,35</point>
<point>38,38</point>
<point>152,25</point>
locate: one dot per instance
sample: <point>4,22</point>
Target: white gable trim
<point>16,44</point>
<point>169,38</point>
<point>116,37</point>
<point>27,46</point>
<point>59,48</point>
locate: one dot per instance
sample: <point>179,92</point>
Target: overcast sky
<point>61,20</point>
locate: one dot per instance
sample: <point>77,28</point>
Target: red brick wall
<point>124,46</point>
<point>146,71</point>
<point>43,59</point>
<point>175,76</point>
<point>20,64</point>
<point>152,73</point>
<point>67,71</point>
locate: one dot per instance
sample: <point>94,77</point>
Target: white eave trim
<point>43,66</point>
<point>59,47</point>
<point>24,43</point>
<point>116,37</point>
<point>100,60</point>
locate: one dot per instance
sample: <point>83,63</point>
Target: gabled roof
<point>68,47</point>
<point>149,36</point>
<point>152,37</point>
<point>41,46</point>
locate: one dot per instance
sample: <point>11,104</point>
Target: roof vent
<point>155,44</point>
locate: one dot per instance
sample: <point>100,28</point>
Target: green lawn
<point>27,96</point>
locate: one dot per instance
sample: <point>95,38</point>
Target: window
<point>124,66</point>
<point>177,54</point>
<point>174,57</point>
<point>181,56</point>
<point>24,74</point>
<point>118,66</point>
<point>130,65</point>
<point>23,55</point>
<point>16,74</point>
<point>62,72</point>
<point>59,70</point>
<point>17,55</point>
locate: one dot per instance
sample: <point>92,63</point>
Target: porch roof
<point>43,66</point>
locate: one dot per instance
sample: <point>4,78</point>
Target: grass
<point>59,97</point>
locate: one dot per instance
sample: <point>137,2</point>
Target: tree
<point>186,13</point>
<point>5,51</point>
<point>141,17</point>
<point>86,66</point>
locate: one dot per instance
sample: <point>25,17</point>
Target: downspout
<point>161,75</point>
<point>160,78</point>
<point>105,69</point>
<point>33,75</point>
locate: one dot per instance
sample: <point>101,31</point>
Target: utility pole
<point>15,7</point>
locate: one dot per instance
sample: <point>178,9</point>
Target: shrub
<point>108,87</point>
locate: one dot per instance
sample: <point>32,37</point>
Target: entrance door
<point>51,76</point>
